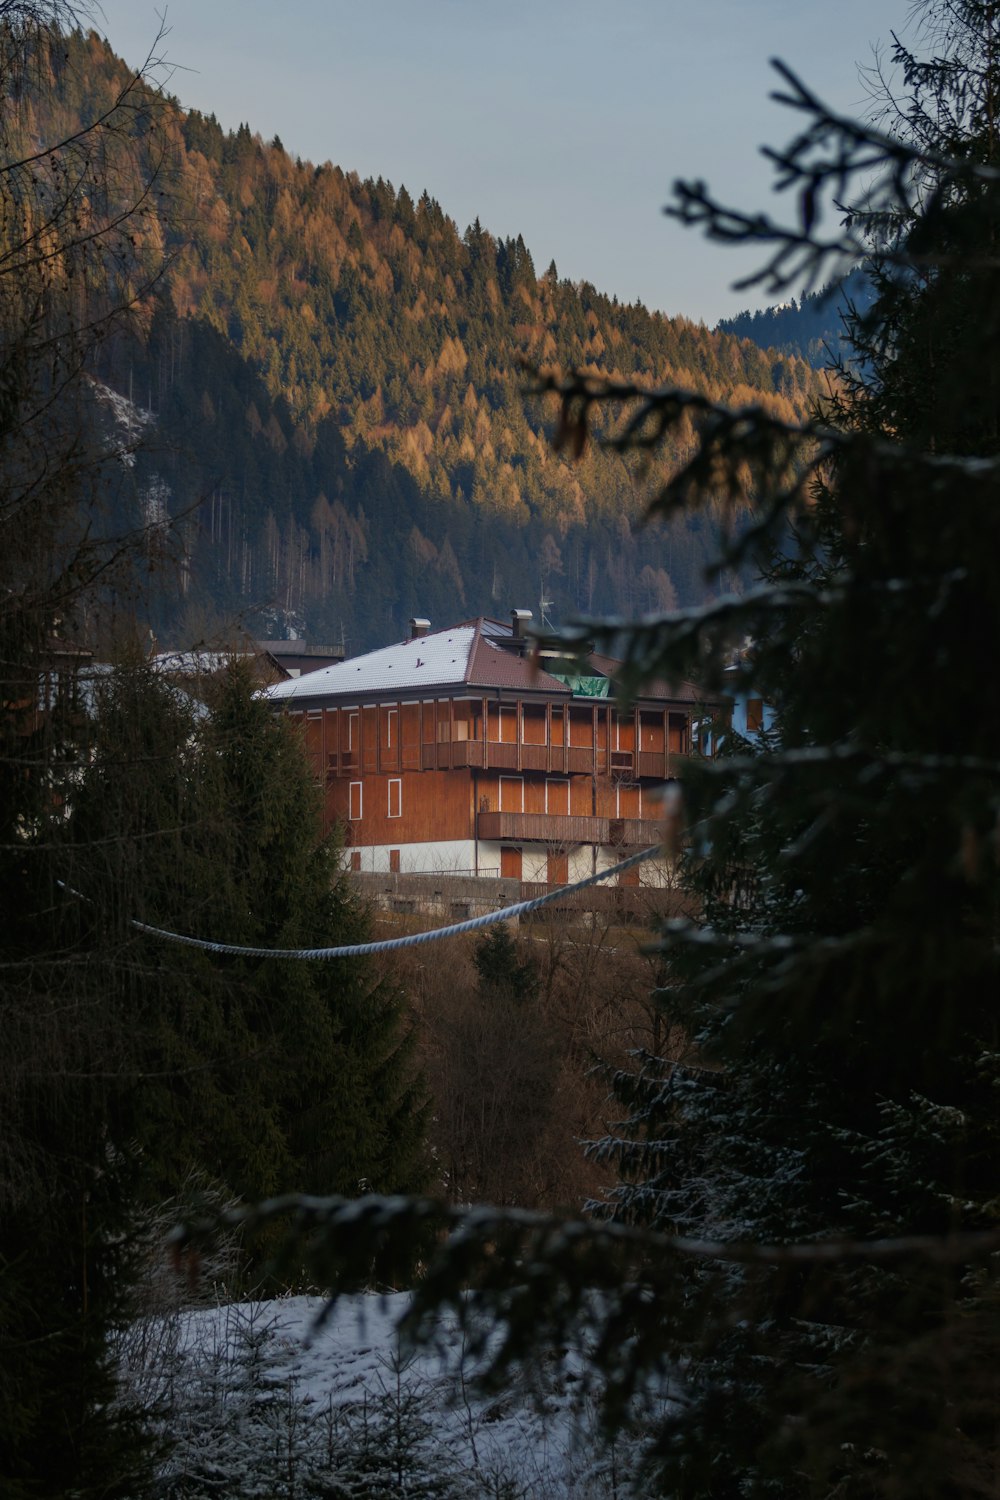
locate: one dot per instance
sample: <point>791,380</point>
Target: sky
<point>566,121</point>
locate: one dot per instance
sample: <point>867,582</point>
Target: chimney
<point>518,619</point>
<point>418,628</point>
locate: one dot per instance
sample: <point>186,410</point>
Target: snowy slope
<point>260,1401</point>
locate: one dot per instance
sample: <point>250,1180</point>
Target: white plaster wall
<point>459,856</point>
<point>426,859</point>
<point>658,872</point>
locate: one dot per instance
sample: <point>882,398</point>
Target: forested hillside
<point>335,377</point>
<point>810,327</point>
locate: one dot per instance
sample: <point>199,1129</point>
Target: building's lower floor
<point>531,862</point>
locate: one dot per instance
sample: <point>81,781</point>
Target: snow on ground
<point>258,1399</point>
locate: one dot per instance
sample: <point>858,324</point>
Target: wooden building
<point>457,751</point>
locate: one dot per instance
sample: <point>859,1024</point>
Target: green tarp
<point>585,687</point>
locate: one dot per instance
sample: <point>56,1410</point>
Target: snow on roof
<point>194,663</point>
<point>475,653</point>
<point>90,681</point>
<point>427,662</point>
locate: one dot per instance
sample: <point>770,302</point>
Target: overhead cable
<point>413,939</point>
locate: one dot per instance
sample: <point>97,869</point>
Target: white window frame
<point>519,781</point>
<point>352,816</point>
<point>500,709</point>
<point>397,782</point>
<point>390,720</point>
<point>557,781</point>
<point>353,718</point>
<point>618,802</point>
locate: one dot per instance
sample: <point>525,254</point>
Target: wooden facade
<point>444,769</point>
<point>483,776</point>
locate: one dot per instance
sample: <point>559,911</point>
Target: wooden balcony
<point>546,828</point>
<point>550,760</point>
<point>653,763</point>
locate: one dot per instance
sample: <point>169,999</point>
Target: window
<point>390,728</point>
<point>512,794</point>
<point>395,797</point>
<point>354,802</point>
<point>581,729</point>
<point>352,731</point>
<point>651,733</point>
<point>503,725</point>
<point>394,861</point>
<point>355,859</point>
<point>557,798</point>
<point>533,723</point>
<point>452,730</point>
<point>628,800</point>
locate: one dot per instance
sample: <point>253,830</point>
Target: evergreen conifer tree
<point>839,994</point>
<point>261,1074</point>
<point>501,971</point>
<point>73,265</point>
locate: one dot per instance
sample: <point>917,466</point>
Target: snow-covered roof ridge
<point>438,659</point>
<point>479,654</point>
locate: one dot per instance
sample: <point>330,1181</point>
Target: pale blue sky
<point>563,120</point>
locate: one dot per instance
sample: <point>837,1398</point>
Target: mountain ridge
<point>337,374</point>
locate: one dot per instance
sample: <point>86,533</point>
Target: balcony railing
<point>552,760</point>
<point>550,828</point>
